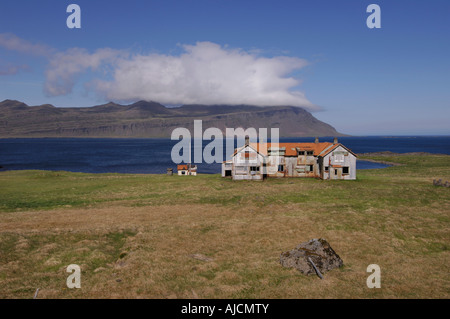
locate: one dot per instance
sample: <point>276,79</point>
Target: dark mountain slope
<point>150,119</point>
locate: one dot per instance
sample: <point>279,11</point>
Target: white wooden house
<point>187,169</point>
<point>256,161</point>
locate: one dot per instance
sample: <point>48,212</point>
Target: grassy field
<point>134,236</point>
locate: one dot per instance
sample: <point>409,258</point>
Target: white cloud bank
<point>205,73</point>
<point>65,67</point>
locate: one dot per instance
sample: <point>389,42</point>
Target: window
<point>345,170</point>
<point>335,172</point>
<point>310,153</point>
<point>338,157</point>
<point>327,168</point>
<point>281,168</point>
<point>227,173</point>
<point>254,168</point>
<point>311,168</point>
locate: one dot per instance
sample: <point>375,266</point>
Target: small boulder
<point>320,252</point>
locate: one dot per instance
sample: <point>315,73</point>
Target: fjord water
<point>144,156</point>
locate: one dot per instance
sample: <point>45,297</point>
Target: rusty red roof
<point>291,149</point>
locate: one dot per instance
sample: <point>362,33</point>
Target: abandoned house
<point>187,169</point>
<point>256,161</point>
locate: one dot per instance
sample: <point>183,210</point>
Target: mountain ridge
<point>151,119</point>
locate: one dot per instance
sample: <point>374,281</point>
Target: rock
<point>320,252</point>
<point>440,183</point>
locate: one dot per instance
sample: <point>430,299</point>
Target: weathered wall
<point>243,160</point>
<point>299,166</point>
<point>337,159</point>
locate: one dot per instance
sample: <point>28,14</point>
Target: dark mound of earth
<point>318,250</point>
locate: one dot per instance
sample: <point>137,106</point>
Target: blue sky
<point>388,81</point>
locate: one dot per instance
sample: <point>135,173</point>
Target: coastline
<point>363,156</point>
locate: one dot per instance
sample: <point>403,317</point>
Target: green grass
<point>41,259</point>
<point>393,186</point>
<point>140,229</point>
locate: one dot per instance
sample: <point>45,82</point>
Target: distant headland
<point>145,119</point>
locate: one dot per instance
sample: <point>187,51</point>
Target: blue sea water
<point>144,156</point>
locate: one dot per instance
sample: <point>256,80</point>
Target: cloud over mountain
<point>204,73</point>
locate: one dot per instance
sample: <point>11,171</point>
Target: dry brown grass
<point>244,243</point>
<point>133,248</point>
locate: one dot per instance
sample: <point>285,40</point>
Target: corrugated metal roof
<point>291,149</point>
